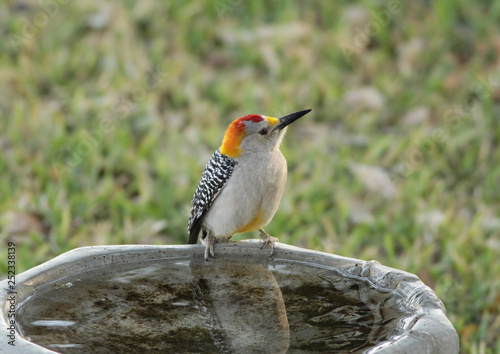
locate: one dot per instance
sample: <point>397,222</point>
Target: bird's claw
<point>209,247</point>
<point>268,240</point>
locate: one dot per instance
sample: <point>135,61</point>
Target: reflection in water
<point>242,306</point>
<point>225,305</point>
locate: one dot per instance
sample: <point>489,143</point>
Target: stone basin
<point>168,299</point>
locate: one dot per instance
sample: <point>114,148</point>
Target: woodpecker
<point>242,184</point>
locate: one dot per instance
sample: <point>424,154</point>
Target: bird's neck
<point>231,144</point>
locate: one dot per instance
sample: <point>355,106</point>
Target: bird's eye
<point>263,131</point>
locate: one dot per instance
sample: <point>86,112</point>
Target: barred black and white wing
<point>215,176</point>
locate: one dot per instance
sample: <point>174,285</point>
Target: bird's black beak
<point>289,119</point>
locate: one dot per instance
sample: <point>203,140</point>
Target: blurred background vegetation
<point>110,110</point>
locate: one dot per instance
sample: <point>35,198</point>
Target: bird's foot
<point>268,240</point>
<point>209,246</point>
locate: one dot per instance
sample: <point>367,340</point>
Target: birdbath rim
<point>427,327</point>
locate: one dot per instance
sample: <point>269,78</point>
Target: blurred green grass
<point>109,112</point>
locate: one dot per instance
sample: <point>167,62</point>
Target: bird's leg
<point>209,246</point>
<point>268,240</point>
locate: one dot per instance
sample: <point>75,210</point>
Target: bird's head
<point>255,132</point>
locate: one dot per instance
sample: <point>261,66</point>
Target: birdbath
<point>168,299</point>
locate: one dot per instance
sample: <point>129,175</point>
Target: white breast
<point>254,189</point>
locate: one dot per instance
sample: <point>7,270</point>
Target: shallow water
<point>184,305</point>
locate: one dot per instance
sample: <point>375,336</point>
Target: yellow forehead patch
<point>272,121</point>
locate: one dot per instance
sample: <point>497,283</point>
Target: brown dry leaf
<point>364,98</point>
<point>426,278</point>
<point>409,55</point>
<point>374,179</point>
<point>453,81</point>
<point>467,332</point>
<point>294,31</point>
<point>21,223</point>
<point>416,116</point>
